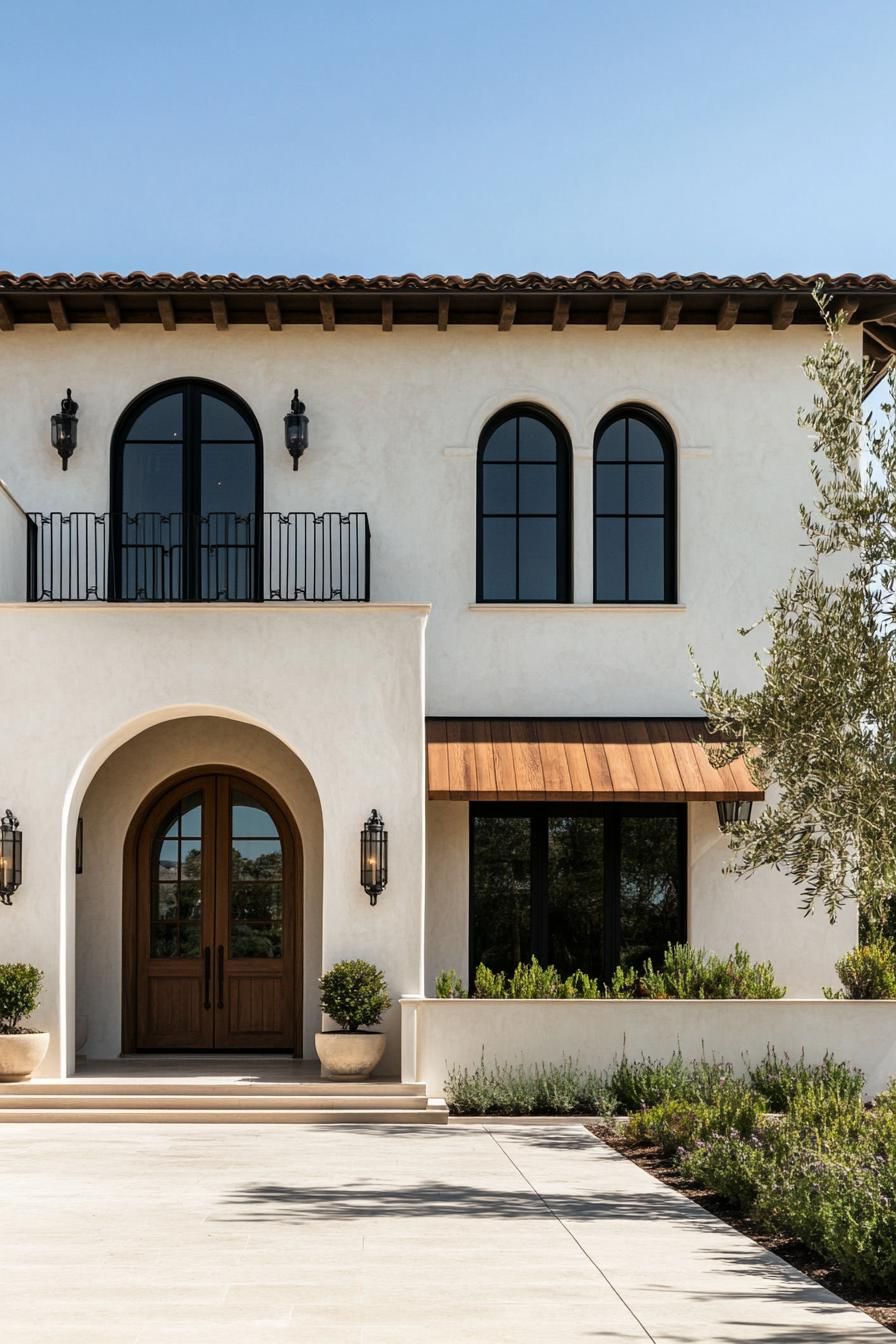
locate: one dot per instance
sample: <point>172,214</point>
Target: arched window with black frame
<point>186,496</point>
<point>634,508</point>
<point>523,508</point>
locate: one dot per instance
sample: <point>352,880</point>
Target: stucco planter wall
<point>21,1054</point>
<point>440,1033</point>
<point>349,1055</point>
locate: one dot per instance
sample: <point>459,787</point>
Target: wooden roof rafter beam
<point>507,314</point>
<point>273,315</point>
<point>388,313</point>
<point>59,315</point>
<point>7,321</point>
<point>616,313</point>
<point>848,308</point>
<point>327,314</point>
<point>166,315</point>
<point>727,314</point>
<point>219,313</point>
<point>561,312</point>
<point>889,346</point>
<point>113,313</point>
<point>444,307</point>
<point>671,313</point>
<point>783,310</point>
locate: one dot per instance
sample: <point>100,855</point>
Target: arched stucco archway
<point>117,788</point>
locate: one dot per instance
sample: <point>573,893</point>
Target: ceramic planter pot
<point>20,1055</point>
<point>349,1056</point>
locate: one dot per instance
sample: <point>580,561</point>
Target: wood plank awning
<point>578,760</point>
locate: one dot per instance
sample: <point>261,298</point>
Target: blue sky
<point>353,135</point>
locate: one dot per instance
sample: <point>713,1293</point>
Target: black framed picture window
<point>523,508</point>
<point>583,886</point>
<point>634,508</point>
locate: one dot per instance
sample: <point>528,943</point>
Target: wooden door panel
<point>254,1005</point>
<point>217,931</point>
<point>174,1011</point>
<point>254,920</point>
<point>175,920</point>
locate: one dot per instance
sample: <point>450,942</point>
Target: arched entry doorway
<point>212,917</point>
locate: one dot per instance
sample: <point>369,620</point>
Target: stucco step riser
<point>207,1101</point>
<point>431,1116</point>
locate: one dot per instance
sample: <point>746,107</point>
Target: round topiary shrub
<point>354,994</point>
<point>19,995</point>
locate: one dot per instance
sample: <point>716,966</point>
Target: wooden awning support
<point>578,760</point>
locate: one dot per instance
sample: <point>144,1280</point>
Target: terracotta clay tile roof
<point>555,302</point>
<point>532,282</point>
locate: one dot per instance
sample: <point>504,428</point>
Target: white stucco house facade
<point>469,607</point>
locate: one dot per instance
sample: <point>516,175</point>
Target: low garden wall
<point>440,1034</point>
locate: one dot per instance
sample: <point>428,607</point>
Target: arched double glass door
<point>186,496</point>
<point>216,919</point>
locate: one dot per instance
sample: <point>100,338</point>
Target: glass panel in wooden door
<point>254,1004</point>
<point>176,900</point>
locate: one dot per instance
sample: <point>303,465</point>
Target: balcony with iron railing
<point>217,557</point>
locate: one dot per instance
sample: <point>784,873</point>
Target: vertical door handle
<point>220,975</point>
<point>207,977</point>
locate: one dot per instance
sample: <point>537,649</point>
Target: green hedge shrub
<point>686,973</point>
<point>20,986</point>
<point>677,1126</point>
<point>449,986</point>
<point>778,1081</point>
<point>693,973</point>
<point>354,994</point>
<point>824,1172</point>
<point>867,972</point>
<point>506,1089</point>
<point>531,980</point>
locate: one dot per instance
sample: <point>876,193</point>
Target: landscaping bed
<point>790,1152</point>
<point>879,1305</point>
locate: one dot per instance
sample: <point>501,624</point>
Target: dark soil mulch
<point>882,1307</point>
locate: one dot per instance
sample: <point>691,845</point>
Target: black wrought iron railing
<point>218,557</point>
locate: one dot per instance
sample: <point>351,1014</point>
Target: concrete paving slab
<point>375,1234</point>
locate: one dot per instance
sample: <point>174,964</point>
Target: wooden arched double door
<point>215,910</point>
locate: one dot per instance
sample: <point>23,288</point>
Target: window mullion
<point>612,892</point>
<point>540,921</point>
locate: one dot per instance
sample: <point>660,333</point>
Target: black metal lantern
<point>64,428</point>
<point>736,809</point>
<point>296,429</point>
<point>10,857</point>
<point>374,856</point>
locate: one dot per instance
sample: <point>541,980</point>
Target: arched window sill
<point>557,608</point>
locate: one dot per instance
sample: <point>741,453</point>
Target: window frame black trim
<point>612,813</point>
<point>191,390</point>
<point>563,512</point>
<point>661,427</point>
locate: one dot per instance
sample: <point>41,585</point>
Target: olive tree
<point>820,731</point>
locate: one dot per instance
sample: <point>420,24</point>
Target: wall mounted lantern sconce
<point>296,429</point>
<point>10,857</point>
<point>738,809</point>
<point>64,428</point>
<point>374,856</point>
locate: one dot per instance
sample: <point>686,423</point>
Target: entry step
<point>170,1101</point>
<point>432,1112</point>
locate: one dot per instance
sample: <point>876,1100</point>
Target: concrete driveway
<point>223,1233</point>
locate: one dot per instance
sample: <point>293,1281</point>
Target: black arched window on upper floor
<point>186,496</point>
<point>634,508</point>
<point>523,508</point>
